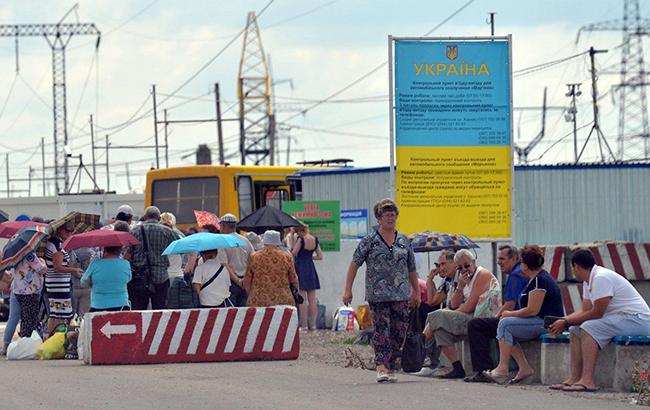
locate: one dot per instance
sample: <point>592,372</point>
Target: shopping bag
<point>413,350</point>
<point>53,347</point>
<point>345,319</point>
<point>365,317</point>
<point>24,348</point>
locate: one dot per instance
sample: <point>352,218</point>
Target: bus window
<point>275,197</point>
<point>245,195</point>
<point>183,196</point>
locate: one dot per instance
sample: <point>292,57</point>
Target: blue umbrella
<point>203,241</point>
<point>24,242</point>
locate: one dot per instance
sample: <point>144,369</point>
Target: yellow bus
<point>220,189</point>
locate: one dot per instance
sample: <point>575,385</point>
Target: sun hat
<point>272,238</point>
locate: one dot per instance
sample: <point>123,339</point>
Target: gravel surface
<point>338,349</point>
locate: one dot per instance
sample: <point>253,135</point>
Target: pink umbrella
<point>8,229</point>
<point>101,239</point>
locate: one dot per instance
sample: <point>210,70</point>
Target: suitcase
<point>181,295</point>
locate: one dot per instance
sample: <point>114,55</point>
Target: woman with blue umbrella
<point>211,280</point>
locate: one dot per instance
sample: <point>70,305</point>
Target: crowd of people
<point>52,287</point>
<point>468,303</point>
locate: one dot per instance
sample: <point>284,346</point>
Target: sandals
<point>496,378</point>
<point>559,386</point>
<point>580,388</point>
<point>524,380</point>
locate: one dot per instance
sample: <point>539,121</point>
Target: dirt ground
<point>338,349</point>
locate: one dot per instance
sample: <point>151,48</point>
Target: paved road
<point>255,385</point>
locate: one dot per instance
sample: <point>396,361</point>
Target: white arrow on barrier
<point>108,330</point>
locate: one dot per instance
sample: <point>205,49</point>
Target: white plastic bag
<point>24,348</point>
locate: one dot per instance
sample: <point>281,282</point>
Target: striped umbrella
<point>74,218</point>
<point>24,242</point>
<point>437,241</point>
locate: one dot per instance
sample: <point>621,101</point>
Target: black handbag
<point>141,275</point>
<point>296,295</point>
<point>413,351</point>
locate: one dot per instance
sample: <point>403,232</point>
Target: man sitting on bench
<point>610,307</point>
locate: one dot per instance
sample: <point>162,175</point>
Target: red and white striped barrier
<point>631,260</point>
<point>571,297</point>
<point>196,335</point>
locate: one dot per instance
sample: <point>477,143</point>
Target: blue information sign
<point>452,93</point>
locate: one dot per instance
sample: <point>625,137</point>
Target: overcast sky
<point>317,48</point>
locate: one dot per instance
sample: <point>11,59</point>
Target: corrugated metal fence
<point>553,204</point>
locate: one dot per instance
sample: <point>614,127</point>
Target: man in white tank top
<point>449,326</point>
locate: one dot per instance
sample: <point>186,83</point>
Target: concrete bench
<point>531,348</point>
<point>619,356</point>
<point>628,350</point>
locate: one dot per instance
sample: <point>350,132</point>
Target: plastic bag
<point>52,348</point>
<point>365,317</point>
<point>345,319</point>
<point>24,348</point>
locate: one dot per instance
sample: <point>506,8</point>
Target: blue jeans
<point>14,318</point>
<point>512,329</point>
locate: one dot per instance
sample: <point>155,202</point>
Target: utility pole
<point>108,174</point>
<point>7,170</point>
<point>491,23</point>
<point>571,115</point>
<point>58,37</point>
<point>128,177</point>
<point>594,100</point>
<point>29,181</point>
<point>155,125</point>
<point>92,144</point>
<point>43,162</point>
<point>633,127</point>
<point>166,138</point>
<point>217,98</point>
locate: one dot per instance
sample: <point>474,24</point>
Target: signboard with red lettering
<point>192,335</point>
<point>323,218</point>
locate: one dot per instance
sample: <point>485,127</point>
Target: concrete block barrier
<point>628,351</point>
<point>556,361</point>
<point>194,335</point>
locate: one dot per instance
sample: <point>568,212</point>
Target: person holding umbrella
<point>27,272</point>
<point>58,280</point>
<point>107,277</point>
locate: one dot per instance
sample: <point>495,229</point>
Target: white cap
<point>272,238</point>
<point>125,209</point>
<point>229,218</point>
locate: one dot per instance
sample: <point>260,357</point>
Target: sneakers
<point>392,377</point>
<point>425,372</point>
<point>453,374</point>
<point>382,376</point>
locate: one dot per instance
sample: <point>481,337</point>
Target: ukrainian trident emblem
<point>452,52</point>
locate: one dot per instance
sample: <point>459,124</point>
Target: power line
<point>377,68</point>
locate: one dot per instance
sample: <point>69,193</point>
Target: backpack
<point>181,295</point>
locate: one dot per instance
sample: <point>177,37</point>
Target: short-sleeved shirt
<point>27,276</point>
<point>107,279</point>
<point>237,258</point>
<point>514,286</point>
<point>552,304</point>
<point>216,292</point>
<point>387,268</point>
<point>607,283</point>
